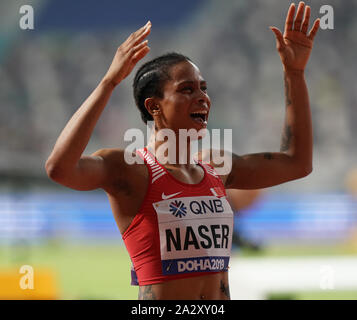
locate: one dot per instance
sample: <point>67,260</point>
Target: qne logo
<point>178,208</point>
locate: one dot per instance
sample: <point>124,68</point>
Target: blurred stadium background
<point>306,229</point>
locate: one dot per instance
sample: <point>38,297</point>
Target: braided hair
<point>150,78</point>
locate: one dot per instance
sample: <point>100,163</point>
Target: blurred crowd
<point>46,75</point>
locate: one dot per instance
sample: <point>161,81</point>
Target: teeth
<point>200,112</point>
<point>200,116</point>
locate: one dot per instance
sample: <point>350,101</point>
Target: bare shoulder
<point>122,166</point>
<point>111,156</point>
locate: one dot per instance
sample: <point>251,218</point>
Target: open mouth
<point>200,116</point>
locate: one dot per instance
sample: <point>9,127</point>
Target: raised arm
<point>294,161</point>
<point>66,164</point>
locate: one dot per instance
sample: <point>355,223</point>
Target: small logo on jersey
<point>218,192</point>
<point>164,197</point>
<point>178,209</point>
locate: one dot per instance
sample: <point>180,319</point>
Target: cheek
<point>177,107</point>
<point>178,100</point>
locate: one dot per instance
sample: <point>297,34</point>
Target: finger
<point>139,46</point>
<point>280,44</point>
<point>133,50</point>
<point>140,54</point>
<point>138,32</point>
<point>299,15</point>
<point>314,29</point>
<point>290,18</point>
<point>305,24</point>
<point>141,36</point>
<point>136,37</point>
<point>142,29</point>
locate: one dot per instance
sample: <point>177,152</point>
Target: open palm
<point>295,45</point>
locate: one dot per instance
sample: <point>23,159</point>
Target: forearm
<point>75,136</point>
<point>297,138</point>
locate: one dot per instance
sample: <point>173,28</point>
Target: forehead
<point>185,71</point>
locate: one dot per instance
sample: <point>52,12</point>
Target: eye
<point>187,89</point>
<point>204,89</point>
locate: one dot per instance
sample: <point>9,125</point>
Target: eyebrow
<point>191,82</point>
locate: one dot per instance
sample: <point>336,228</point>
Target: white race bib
<point>195,234</point>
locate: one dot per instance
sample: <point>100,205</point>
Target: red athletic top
<point>181,230</point>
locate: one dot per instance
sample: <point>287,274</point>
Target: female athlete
<point>174,218</point>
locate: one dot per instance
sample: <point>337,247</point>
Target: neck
<point>169,149</point>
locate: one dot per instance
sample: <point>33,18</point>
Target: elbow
<point>301,167</point>
<point>50,170</point>
<point>305,171</point>
<point>53,171</point>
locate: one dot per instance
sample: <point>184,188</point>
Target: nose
<point>203,98</point>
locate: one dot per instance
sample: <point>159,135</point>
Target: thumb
<point>280,44</point>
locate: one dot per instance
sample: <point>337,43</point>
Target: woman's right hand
<point>128,54</point>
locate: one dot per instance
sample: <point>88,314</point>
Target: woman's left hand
<point>295,45</point>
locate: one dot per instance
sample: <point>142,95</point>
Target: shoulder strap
<point>155,169</point>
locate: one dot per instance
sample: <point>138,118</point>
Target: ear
<point>152,106</point>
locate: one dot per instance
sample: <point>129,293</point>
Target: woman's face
<point>185,103</point>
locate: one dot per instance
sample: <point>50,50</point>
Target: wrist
<point>294,72</point>
<point>108,83</point>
